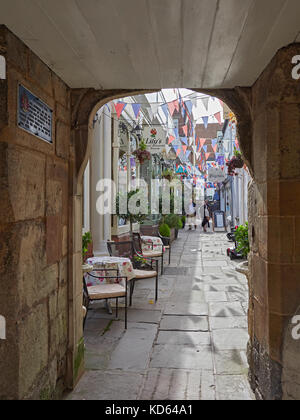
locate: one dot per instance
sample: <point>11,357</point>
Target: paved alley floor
<point>191,345</point>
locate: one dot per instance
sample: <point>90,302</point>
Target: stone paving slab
<point>186,308</point>
<point>184,337</point>
<point>141,316</point>
<point>223,323</point>
<point>134,350</point>
<point>231,339</point>
<point>226,309</point>
<point>233,387</point>
<point>231,362</point>
<point>182,357</point>
<point>178,384</point>
<point>109,385</point>
<point>215,297</point>
<point>184,323</point>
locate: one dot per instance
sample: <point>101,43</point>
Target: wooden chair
<point>143,267</point>
<point>138,247</point>
<point>105,291</point>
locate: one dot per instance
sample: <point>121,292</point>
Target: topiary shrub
<point>164,230</point>
<point>172,221</point>
<point>180,224</point>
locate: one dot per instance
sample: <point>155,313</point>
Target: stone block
<point>17,52</point>
<point>289,192</point>
<point>40,73</point>
<point>33,347</point>
<point>61,91</point>
<point>297,240</point>
<point>284,288</point>
<point>259,279</point>
<point>23,182</point>
<point>261,324</point>
<point>53,239</point>
<point>54,197</point>
<point>62,140</point>
<point>281,239</point>
<point>289,145</point>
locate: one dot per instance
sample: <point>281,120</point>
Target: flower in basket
<point>142,154</point>
<point>235,162</point>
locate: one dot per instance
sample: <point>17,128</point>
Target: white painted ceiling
<point>154,43</point>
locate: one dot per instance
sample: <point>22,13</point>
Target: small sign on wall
<point>219,220</point>
<point>34,116</point>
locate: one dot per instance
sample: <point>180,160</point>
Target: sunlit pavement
<point>191,345</point>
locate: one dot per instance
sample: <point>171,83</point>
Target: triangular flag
<point>185,140</point>
<point>136,109</point>
<point>191,141</point>
<point>167,148</point>
<point>178,151</point>
<point>205,149</point>
<point>202,142</point>
<point>171,107</point>
<point>215,148</point>
<point>176,105</point>
<point>165,110</point>
<point>214,142</point>
<point>154,108</point>
<point>184,148</point>
<point>189,106</point>
<point>171,139</point>
<point>119,107</point>
<point>205,121</point>
<point>218,117</point>
<point>185,130</point>
<point>207,155</point>
<point>205,102</point>
<point>176,132</point>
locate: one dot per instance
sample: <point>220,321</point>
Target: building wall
<point>34,229</point>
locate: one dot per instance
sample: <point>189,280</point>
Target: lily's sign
<point>155,139</point>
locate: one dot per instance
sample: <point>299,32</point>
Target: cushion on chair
<point>84,311</point>
<point>167,246</point>
<point>152,254</point>
<point>106,291</point>
<point>144,274</point>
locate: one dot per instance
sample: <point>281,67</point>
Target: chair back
<point>137,242</point>
<point>120,249</point>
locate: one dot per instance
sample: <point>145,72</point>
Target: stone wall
<point>34,229</point>
<point>274,208</point>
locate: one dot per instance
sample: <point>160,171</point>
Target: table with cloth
<point>123,265</point>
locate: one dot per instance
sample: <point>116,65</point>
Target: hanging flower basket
<point>236,162</point>
<point>142,154</point>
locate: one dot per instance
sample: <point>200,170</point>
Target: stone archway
<point>268,117</point>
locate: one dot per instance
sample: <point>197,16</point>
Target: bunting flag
<point>119,107</point>
<point>185,130</point>
<point>191,141</point>
<point>207,155</point>
<point>184,140</point>
<point>202,142</point>
<point>194,149</point>
<point>165,110</point>
<point>205,149</point>
<point>176,105</point>
<point>184,148</point>
<point>205,102</point>
<point>218,117</point>
<point>167,148</point>
<point>176,133</point>
<point>215,148</point>
<point>205,121</point>
<point>189,106</point>
<point>136,109</point>
<point>214,142</point>
<point>178,152</point>
<point>171,139</point>
<point>154,109</point>
<point>171,107</point>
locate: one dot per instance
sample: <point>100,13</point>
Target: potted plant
<point>168,174</point>
<point>132,218</point>
<point>164,230</point>
<point>142,154</point>
<point>86,241</point>
<point>242,239</point>
<point>235,163</point>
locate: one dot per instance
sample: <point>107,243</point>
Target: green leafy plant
<point>242,239</point>
<point>168,174</point>
<point>164,230</point>
<point>142,154</point>
<point>132,218</point>
<point>173,221</point>
<point>86,241</point>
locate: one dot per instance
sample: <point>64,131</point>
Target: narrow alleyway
<point>191,345</point>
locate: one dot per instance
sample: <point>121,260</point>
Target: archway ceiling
<point>151,44</point>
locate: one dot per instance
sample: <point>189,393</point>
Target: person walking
<point>191,216</point>
<point>205,216</point>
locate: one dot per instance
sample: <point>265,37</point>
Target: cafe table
<point>152,243</point>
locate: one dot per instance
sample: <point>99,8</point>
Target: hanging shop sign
<point>34,116</point>
<point>216,175</point>
<point>155,139</point>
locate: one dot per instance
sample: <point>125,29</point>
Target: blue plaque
<point>34,116</point>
